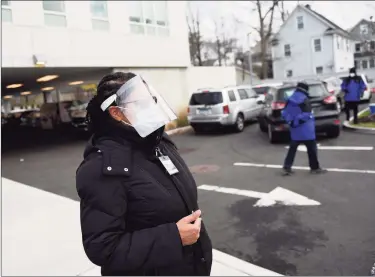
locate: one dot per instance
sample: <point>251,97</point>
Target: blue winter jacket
<point>353,88</point>
<point>298,114</point>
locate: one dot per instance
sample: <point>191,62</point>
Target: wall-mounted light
<point>15,86</point>
<point>8,96</point>
<point>76,83</point>
<point>48,88</point>
<point>26,93</point>
<point>47,78</point>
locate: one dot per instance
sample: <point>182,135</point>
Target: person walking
<point>139,210</point>
<point>353,87</point>
<point>299,116</point>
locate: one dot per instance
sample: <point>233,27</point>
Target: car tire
<point>273,137</point>
<point>334,132</point>
<point>197,130</point>
<point>239,126</point>
<point>262,127</point>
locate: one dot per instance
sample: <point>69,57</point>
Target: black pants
<point>352,106</point>
<point>312,152</point>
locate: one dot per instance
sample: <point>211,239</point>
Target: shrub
<point>182,119</point>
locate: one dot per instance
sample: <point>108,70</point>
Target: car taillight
<point>226,109</point>
<point>330,99</point>
<point>277,105</point>
<point>337,122</point>
<point>188,110</point>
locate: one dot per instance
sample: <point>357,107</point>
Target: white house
<point>309,44</point>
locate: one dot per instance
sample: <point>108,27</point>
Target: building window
<point>364,64</point>
<point>99,15</point>
<point>357,47</point>
<point>372,63</point>
<point>372,45</point>
<point>319,70</point>
<point>289,73</point>
<point>364,29</point>
<point>287,51</point>
<point>6,12</point>
<point>300,24</point>
<point>147,17</point>
<point>318,45</point>
<point>54,13</point>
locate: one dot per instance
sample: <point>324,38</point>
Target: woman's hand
<point>189,228</point>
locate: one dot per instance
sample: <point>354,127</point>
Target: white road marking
<point>275,166</point>
<point>277,196</point>
<point>303,148</point>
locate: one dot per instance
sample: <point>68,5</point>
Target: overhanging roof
<point>28,77</point>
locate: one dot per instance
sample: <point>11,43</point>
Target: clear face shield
<point>144,108</point>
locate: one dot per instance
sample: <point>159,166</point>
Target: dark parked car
<point>324,106</point>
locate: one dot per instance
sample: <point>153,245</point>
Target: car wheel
<point>262,126</point>
<point>273,137</point>
<point>240,123</point>
<point>334,132</point>
<point>197,130</point>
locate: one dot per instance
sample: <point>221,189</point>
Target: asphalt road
<point>335,238</point>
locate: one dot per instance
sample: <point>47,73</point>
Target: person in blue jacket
<point>353,87</point>
<point>299,116</point>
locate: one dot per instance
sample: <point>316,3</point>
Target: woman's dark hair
<point>99,120</point>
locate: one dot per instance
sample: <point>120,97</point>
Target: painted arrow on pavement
<point>277,196</point>
<point>303,148</point>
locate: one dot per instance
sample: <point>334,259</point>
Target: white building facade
<point>309,44</point>
<point>146,37</point>
<point>95,33</point>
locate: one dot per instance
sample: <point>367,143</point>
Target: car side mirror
<point>260,102</point>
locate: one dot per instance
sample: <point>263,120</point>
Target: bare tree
<point>195,37</point>
<point>265,30</point>
<point>283,13</point>
<point>225,44</point>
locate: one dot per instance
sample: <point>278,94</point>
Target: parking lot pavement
<point>333,237</point>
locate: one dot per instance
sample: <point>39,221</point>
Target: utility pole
<point>250,60</point>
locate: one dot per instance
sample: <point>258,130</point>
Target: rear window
<point>315,91</point>
<point>232,96</point>
<point>261,90</point>
<point>206,98</point>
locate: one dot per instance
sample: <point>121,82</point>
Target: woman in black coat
<point>139,210</point>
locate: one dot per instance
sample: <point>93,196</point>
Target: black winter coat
<point>130,206</point>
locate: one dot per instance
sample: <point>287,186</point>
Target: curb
<point>240,265</point>
<point>179,131</point>
<point>361,129</point>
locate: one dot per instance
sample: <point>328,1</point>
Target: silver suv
<point>229,106</point>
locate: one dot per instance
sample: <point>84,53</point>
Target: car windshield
<point>315,91</point>
<point>261,90</point>
<point>206,98</point>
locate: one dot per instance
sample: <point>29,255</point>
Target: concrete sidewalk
<point>41,236</point>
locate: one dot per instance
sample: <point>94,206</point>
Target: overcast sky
<point>344,13</point>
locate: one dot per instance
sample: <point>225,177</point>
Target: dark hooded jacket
<point>298,114</point>
<point>353,87</point>
<point>130,206</point>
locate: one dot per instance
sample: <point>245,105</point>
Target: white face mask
<point>351,74</point>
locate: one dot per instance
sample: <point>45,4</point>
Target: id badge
<point>168,165</point>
